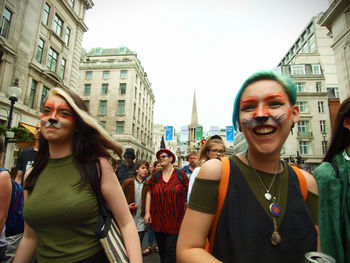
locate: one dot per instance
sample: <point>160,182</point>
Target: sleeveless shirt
<point>62,215</point>
<point>244,228</point>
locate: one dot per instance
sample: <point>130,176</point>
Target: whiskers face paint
<point>49,123</point>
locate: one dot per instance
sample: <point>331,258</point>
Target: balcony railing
<point>304,134</point>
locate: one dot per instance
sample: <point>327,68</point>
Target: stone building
<point>116,90</point>
<point>337,20</point>
<point>40,46</point>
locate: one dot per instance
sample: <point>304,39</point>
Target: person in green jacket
<point>332,178</point>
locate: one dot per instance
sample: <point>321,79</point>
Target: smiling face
<point>57,120</point>
<point>266,116</point>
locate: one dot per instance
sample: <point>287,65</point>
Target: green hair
<point>287,84</point>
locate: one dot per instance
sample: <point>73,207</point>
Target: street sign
<point>214,130</point>
<point>184,134</point>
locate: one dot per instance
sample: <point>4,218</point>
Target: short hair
<point>191,153</point>
<point>139,163</point>
<point>287,84</point>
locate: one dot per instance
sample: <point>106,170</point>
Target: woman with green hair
<point>264,217</point>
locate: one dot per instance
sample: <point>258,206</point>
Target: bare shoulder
<point>210,170</point>
<point>310,181</point>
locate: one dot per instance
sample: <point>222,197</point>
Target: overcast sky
<point>210,46</point>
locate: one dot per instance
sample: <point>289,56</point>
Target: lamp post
<point>14,92</point>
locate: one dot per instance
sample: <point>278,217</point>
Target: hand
<point>133,208</point>
<point>148,219</point>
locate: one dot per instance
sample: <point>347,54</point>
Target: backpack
<point>225,175</point>
<point>14,222</point>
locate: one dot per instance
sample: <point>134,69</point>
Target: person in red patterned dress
<point>165,204</point>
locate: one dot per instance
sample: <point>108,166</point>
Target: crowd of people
<point>248,207</point>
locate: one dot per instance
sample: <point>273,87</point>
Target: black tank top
<point>244,229</point>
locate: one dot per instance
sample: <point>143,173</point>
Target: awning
<point>30,128</point>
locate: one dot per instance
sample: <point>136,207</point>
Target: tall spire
<point>194,118</point>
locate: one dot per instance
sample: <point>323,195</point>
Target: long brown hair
<point>340,135</point>
<point>90,142</point>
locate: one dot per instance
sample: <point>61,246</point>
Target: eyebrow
<point>275,96</point>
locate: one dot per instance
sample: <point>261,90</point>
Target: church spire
<point>194,118</point>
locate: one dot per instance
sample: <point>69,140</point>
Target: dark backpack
<point>14,221</point>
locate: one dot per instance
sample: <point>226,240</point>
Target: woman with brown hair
<point>332,178</point>
<point>61,209</point>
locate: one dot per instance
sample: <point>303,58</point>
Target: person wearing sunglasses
<point>165,204</point>
<point>213,148</point>
<point>332,178</point>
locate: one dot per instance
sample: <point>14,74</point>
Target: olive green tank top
<point>63,215</point>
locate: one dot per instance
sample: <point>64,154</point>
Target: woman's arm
<point>147,217</point>
<point>27,247</point>
<point>196,225</point>
<point>114,196</point>
<point>5,197</point>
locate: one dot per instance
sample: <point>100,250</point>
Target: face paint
<point>62,111</point>
<point>55,124</point>
<point>260,115</point>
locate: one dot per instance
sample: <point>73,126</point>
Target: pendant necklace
<point>271,200</point>
<point>346,156</point>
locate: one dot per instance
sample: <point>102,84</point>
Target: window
<point>66,38</point>
<point>135,93</point>
<point>104,89</point>
<point>123,74</point>
<point>43,97</point>
<point>71,3</point>
<point>6,23</point>
<point>105,74</point>
<point>52,60</point>
<point>32,94</point>
<point>323,126</point>
<point>88,74</point>
<point>304,147</point>
<point>87,89</point>
<point>297,69</point>
<point>316,69</point>
<point>121,107</point>
<point>120,127</point>
<point>303,107</point>
<point>300,86</point>
<point>320,107</point>
<point>102,124</point>
<point>103,107</point>
<point>304,129</point>
<point>318,87</point>
<point>324,147</point>
<point>134,112</point>
<point>40,50</point>
<point>46,14</point>
<point>57,25</point>
<point>87,104</point>
<point>62,68</point>
<point>122,88</point>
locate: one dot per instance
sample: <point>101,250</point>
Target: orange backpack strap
<point>302,181</point>
<point>225,175</point>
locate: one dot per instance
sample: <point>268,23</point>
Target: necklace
<point>274,208</point>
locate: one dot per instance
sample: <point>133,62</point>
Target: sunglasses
<point>162,157</point>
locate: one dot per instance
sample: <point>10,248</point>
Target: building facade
<point>118,94</point>
<point>337,20</point>
<point>40,46</point>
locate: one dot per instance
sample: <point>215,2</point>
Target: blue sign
<point>169,133</point>
<point>229,134</point>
